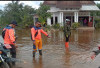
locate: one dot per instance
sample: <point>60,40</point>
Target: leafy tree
<point>96,13</point>
<point>17,11</point>
<point>42,12</point>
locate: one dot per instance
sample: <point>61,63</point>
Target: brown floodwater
<point>82,43</point>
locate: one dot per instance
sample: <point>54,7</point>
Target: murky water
<point>55,55</point>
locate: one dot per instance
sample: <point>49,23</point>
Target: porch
<point>82,17</point>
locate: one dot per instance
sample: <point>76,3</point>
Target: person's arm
<point>96,52</point>
<point>45,33</point>
<point>11,35</point>
<point>33,33</point>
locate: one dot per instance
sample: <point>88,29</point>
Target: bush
<point>97,20</point>
<point>75,25</point>
<point>56,26</point>
<point>62,28</point>
<point>97,25</point>
<point>48,27</point>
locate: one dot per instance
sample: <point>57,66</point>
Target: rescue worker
<point>67,32</point>
<point>9,38</point>
<point>36,38</point>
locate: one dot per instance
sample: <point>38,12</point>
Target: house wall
<point>53,9</point>
<point>82,12</point>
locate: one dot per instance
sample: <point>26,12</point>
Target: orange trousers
<point>38,45</point>
<point>67,44</point>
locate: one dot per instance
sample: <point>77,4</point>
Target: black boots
<point>33,53</point>
<point>40,52</point>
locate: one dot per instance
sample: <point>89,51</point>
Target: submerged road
<point>82,43</point>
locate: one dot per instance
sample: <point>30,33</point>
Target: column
<point>71,20</point>
<point>75,16</point>
<point>89,17</point>
<point>49,21</point>
<point>61,18</point>
<point>53,19</point>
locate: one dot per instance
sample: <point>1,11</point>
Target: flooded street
<point>82,43</point>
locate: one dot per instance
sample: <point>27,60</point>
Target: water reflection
<point>37,63</point>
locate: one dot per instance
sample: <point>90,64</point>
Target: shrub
<point>97,20</point>
<point>48,27</point>
<point>56,26</point>
<point>97,25</point>
<point>62,28</point>
<point>75,25</point>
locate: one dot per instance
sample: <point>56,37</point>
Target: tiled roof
<point>87,2</point>
<point>69,4</point>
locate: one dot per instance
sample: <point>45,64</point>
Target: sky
<point>34,4</point>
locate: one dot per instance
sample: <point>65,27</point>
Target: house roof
<point>50,2</point>
<point>87,2</point>
<point>69,4</point>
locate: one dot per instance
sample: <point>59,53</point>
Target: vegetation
<point>75,25</point>
<point>97,19</point>
<point>56,26</point>
<point>43,14</point>
<point>97,25</point>
<point>17,11</point>
<point>96,13</point>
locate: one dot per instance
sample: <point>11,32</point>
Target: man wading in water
<point>67,32</point>
<point>36,38</point>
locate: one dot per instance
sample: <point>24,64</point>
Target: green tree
<point>96,13</point>
<point>17,11</point>
<point>27,18</point>
<point>42,12</point>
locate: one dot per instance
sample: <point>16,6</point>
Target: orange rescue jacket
<point>9,37</point>
<point>38,36</point>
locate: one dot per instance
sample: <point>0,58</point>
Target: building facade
<point>76,11</point>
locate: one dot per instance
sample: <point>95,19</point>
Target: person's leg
<point>13,53</point>
<point>34,50</point>
<point>35,47</point>
<point>40,47</point>
<point>67,42</point>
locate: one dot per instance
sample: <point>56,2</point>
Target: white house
<point>76,11</point>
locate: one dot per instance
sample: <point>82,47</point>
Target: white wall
<point>53,9</point>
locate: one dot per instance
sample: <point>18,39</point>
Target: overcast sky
<point>34,4</point>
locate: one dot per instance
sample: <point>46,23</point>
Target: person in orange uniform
<point>9,38</point>
<point>36,38</point>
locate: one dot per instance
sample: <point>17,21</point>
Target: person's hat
<point>14,23</point>
<point>67,20</point>
<point>38,23</point>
